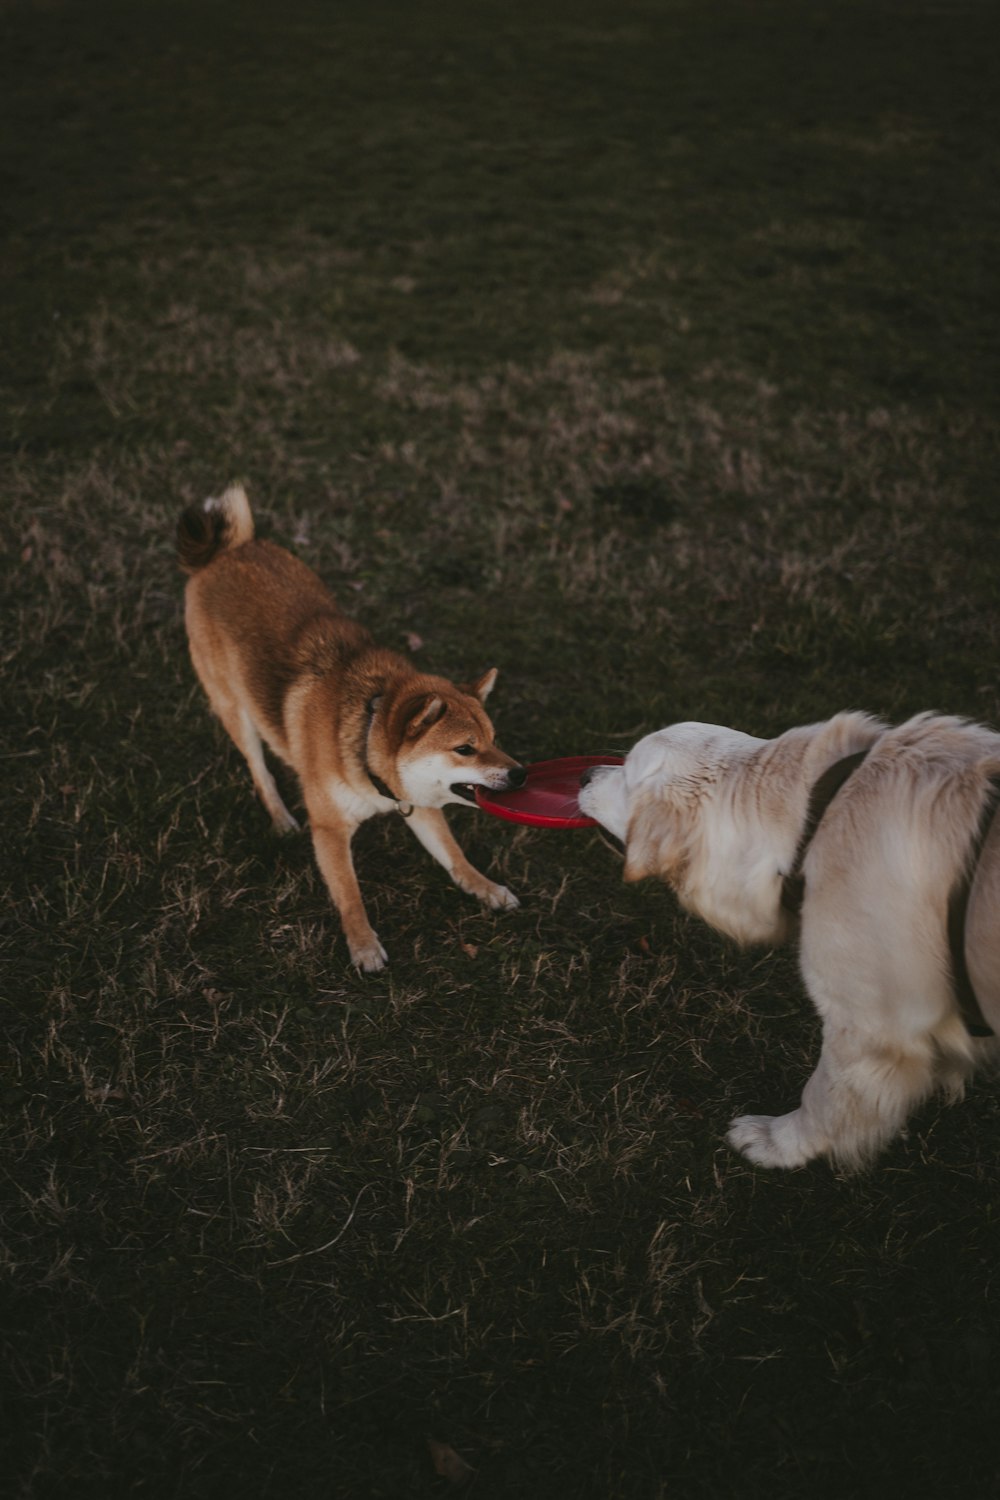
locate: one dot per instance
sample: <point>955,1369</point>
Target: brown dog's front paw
<point>496,897</point>
<point>368,955</point>
<point>499,898</point>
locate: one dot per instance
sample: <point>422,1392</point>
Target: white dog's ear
<point>656,844</point>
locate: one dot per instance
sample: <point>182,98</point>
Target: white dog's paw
<point>499,898</point>
<point>769,1140</point>
<point>369,956</point>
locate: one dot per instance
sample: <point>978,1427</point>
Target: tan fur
<point>717,814</point>
<point>282,664</point>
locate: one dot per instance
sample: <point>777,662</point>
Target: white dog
<point>894,860</point>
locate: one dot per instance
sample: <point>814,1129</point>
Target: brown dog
<point>364,732</point>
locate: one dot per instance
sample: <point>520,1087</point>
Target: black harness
<point>958,902</point>
<point>793,884</point>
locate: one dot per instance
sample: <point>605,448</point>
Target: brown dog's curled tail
<point>212,526</point>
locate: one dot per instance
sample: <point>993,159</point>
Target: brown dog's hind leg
<point>209,662</point>
<point>243,733</point>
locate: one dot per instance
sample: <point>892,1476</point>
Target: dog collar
<point>376,781</point>
<point>958,902</point>
<point>793,885</point>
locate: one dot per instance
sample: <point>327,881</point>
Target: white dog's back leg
<point>859,1097</point>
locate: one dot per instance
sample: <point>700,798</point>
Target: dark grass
<point>647,351</point>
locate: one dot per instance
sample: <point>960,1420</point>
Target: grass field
<point>648,351</point>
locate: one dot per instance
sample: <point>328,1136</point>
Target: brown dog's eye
<point>465,749</point>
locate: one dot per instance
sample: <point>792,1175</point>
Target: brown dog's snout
<point>516,777</point>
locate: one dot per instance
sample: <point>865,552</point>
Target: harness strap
<point>793,885</point>
<point>958,903</point>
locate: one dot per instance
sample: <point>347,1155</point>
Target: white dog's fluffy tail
<point>212,526</point>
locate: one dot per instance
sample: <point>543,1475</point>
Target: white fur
<point>427,780</point>
<point>235,506</point>
<point>718,815</point>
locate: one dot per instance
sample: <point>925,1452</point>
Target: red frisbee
<point>549,796</point>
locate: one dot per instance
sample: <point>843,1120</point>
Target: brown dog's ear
<point>484,687</point>
<point>655,844</point>
<point>426,713</point>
